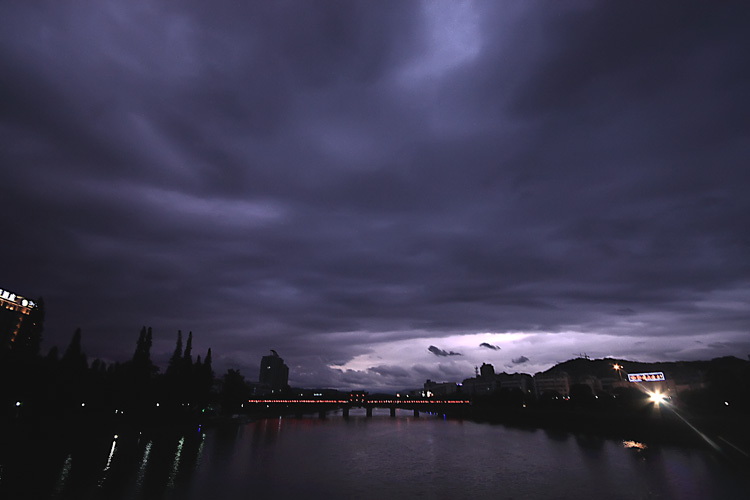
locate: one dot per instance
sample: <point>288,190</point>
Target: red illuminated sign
<point>646,377</point>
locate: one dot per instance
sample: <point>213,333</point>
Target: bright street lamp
<point>657,398</point>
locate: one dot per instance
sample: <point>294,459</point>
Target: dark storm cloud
<point>440,352</point>
<point>328,178</point>
<point>520,360</point>
<point>489,346</point>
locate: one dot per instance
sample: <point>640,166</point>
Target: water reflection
<point>176,463</point>
<point>634,444</point>
<point>590,443</point>
<point>359,457</point>
<point>142,468</point>
<point>63,475</point>
<point>557,435</point>
<point>109,461</point>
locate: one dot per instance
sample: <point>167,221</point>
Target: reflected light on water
<point>144,464</point>
<point>634,444</point>
<point>63,475</point>
<point>199,455</point>
<point>376,457</point>
<point>109,461</point>
<point>176,464</point>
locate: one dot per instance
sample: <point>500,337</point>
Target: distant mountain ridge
<point>676,370</point>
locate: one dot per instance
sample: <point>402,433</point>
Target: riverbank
<point>728,435</point>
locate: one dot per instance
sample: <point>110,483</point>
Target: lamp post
<point>619,369</point>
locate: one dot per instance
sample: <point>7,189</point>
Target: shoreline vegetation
<point>725,435</point>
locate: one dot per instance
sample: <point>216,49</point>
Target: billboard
<point>646,377</point>
<point>16,299</point>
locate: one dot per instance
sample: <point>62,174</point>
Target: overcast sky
<point>383,191</point>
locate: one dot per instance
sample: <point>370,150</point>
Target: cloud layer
<point>335,180</point>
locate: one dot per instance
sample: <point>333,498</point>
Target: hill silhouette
<point>679,371</point>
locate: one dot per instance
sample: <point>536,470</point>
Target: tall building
<point>558,382</point>
<point>273,372</point>
<point>20,321</point>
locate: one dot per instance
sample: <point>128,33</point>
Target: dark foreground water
<point>360,458</point>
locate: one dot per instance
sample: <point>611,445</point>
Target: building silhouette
<point>273,372</point>
<point>556,382</point>
<point>17,318</point>
<point>488,382</point>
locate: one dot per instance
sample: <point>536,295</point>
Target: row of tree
<point>54,386</point>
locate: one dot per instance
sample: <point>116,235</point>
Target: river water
<point>428,457</point>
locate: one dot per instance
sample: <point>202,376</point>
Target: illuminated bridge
<point>299,406</point>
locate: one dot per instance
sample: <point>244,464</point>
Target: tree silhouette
<point>207,361</point>
<point>74,360</point>
<point>140,348</point>
<point>187,358</point>
<point>234,392</point>
<point>70,382</point>
<point>204,379</point>
<point>173,368</point>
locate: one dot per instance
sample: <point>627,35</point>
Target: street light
<point>657,398</point>
<point>619,369</point>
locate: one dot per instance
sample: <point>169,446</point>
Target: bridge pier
<point>369,411</point>
<point>393,411</point>
<point>416,413</point>
<point>345,411</point>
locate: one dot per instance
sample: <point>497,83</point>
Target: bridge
<point>321,406</point>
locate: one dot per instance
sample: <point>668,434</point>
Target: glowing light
<point>646,377</point>
<point>634,444</point>
<point>18,403</point>
<point>17,299</point>
<point>657,398</point>
<point>109,461</point>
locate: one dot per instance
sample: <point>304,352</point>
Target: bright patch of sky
<point>452,39</point>
<point>524,352</point>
